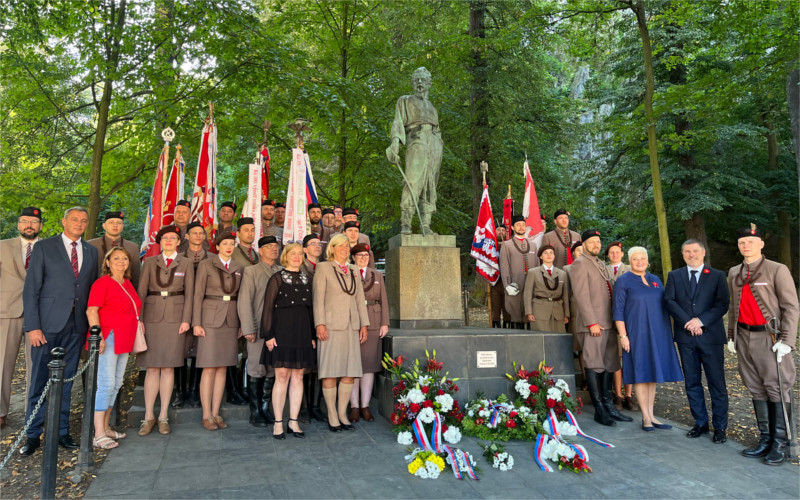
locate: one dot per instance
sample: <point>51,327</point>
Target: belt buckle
<point>164,293</point>
<point>226,298</point>
<point>366,302</point>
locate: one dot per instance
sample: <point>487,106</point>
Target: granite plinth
<point>423,281</point>
<point>461,348</point>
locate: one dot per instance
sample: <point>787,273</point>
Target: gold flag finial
<point>752,227</point>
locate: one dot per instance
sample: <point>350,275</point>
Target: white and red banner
<point>294,227</point>
<point>530,208</point>
<point>204,197</point>
<point>156,210</point>
<point>174,188</point>
<point>484,243</point>
<point>252,207</point>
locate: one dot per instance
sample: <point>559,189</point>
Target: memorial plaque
<point>487,359</point>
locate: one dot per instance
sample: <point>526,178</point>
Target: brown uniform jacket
<point>512,261</point>
<point>774,290</point>
<point>622,269</point>
<point>241,256</point>
<point>308,268</point>
<point>375,291</point>
<point>12,277</point>
<point>103,244</point>
<point>589,282</point>
<point>332,306</point>
<point>250,305</point>
<point>558,240</point>
<point>213,312</point>
<point>175,308</point>
<point>542,302</point>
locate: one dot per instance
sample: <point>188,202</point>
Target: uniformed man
<point>761,290</point>
<point>15,257</point>
<point>250,307</point>
<point>350,214</point>
<point>614,254</point>
<point>617,268</point>
<point>312,247</point>
<point>182,215</point>
<point>314,217</point>
<point>312,392</point>
<point>226,213</point>
<point>497,291</point>
<point>114,223</point>
<point>267,218</point>
<point>562,238</point>
<point>244,253</point>
<point>327,217</point>
<point>517,256</point>
<point>592,287</point>
<point>352,230</point>
<point>338,220</point>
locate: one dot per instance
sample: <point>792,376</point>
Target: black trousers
<point>697,357</point>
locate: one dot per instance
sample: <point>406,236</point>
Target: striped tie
<point>28,255</point>
<point>74,259</point>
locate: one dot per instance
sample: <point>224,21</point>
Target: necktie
<point>28,255</point>
<point>693,282</point>
<point>168,261</point>
<point>74,259</point>
<point>226,266</point>
<point>343,268</point>
<point>114,244</point>
<point>363,273</point>
<point>250,253</point>
<point>615,270</point>
<point>550,272</point>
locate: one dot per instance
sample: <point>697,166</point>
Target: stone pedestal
<point>423,281</point>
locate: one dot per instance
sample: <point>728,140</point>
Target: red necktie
<point>615,270</point>
<point>363,273</point>
<point>169,261</point>
<point>74,259</point>
<point>226,267</point>
<point>550,272</point>
<point>113,244</point>
<point>250,253</point>
<point>343,268</point>
<point>28,255</point>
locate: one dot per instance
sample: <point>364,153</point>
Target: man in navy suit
<point>55,296</point>
<point>697,297</point>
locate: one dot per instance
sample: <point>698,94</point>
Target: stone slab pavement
<point>244,462</point>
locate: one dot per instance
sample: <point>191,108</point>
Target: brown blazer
<point>375,290</point>
<point>211,312</point>
<point>12,277</point>
<point>308,268</point>
<point>250,305</point>
<point>536,294</point>
<point>623,268</point>
<point>774,290</point>
<point>175,308</point>
<point>589,282</point>
<point>558,240</point>
<point>332,306</point>
<point>241,257</point>
<point>103,244</point>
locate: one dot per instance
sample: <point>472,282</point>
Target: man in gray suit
<point>55,297</point>
<point>15,257</point>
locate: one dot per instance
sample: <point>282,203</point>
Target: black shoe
<point>180,387</point>
<point>282,435</point>
<point>779,447</point>
<point>316,414</point>
<point>348,427</point>
<point>495,324</point>
<point>30,447</point>
<point>234,397</point>
<point>297,434</point>
<point>763,415</point>
<point>719,436</point>
<point>699,430</point>
<point>67,442</point>
<point>337,428</point>
<point>593,384</point>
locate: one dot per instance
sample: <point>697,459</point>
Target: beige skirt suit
<point>547,298</point>
<point>215,299</point>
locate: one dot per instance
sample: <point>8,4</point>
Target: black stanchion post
<point>50,455</point>
<point>465,295</point>
<point>85,453</point>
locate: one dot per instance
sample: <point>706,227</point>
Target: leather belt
<point>372,302</point>
<point>224,298</point>
<point>164,293</point>
<point>548,299</point>
<point>752,328</point>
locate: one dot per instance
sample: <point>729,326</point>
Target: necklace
<point>171,278</point>
<point>742,279</point>
<point>523,251</point>
<point>225,290</point>
<point>349,289</point>
<point>547,282</point>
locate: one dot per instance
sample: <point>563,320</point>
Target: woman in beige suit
<point>372,349</point>
<point>341,320</point>
<point>546,294</point>
<point>216,321</point>
<point>165,289</point>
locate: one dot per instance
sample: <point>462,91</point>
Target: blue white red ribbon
<point>541,440</point>
<point>571,419</point>
<point>437,447</point>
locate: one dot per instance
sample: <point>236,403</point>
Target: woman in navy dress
<point>645,333</point>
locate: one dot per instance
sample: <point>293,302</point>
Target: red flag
<point>155,213</point>
<point>508,211</point>
<point>530,208</point>
<point>484,243</point>
<point>174,188</point>
<point>265,176</point>
<point>204,197</point>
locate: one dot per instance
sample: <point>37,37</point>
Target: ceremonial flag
<point>204,197</point>
<point>155,211</point>
<point>252,207</point>
<point>311,190</point>
<point>265,174</point>
<point>530,208</point>
<point>484,243</point>
<point>174,188</point>
<point>294,227</point>
<point>508,211</point>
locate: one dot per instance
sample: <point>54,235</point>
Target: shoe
<point>348,427</point>
<point>338,428</point>
<point>719,436</point>
<point>297,434</point>
<point>698,430</point>
<point>662,426</point>
<point>220,423</point>
<point>180,387</point>
<point>763,415</point>
<point>104,442</point>
<point>354,415</point>
<point>163,426</point>
<point>648,429</point>
<point>209,424</point>
<point>628,403</point>
<point>147,426</point>
<point>30,447</point>
<point>367,415</point>
<point>68,443</point>
<point>282,435</point>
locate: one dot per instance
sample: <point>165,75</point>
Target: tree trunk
<point>652,145</point>
<point>793,100</point>
<point>479,109</point>
<point>344,69</point>
<point>784,229</point>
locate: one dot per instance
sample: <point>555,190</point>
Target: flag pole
<point>484,169</point>
<point>168,135</point>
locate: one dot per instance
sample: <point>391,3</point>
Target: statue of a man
<point>416,124</point>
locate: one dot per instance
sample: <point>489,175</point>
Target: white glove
<point>780,349</point>
<point>731,347</point>
<point>512,289</point>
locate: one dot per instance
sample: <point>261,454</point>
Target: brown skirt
<point>218,348</point>
<point>165,347</point>
<point>372,351</point>
<point>549,325</point>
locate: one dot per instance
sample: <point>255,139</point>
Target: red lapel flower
<point>706,271</point>
<point>655,284</point>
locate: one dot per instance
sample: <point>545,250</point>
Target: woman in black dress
<point>287,325</point>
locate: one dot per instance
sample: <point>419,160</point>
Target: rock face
<point>588,148</point>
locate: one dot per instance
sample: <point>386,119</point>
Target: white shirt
<point>698,269</point>
<point>33,243</point>
<point>363,271</point>
<point>550,269</point>
<point>78,249</point>
<point>224,262</point>
<point>171,257</point>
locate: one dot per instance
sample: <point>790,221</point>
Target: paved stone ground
<point>244,462</point>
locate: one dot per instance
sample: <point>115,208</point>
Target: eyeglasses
<point>314,244</point>
<point>29,222</point>
<point>169,238</point>
<point>362,255</point>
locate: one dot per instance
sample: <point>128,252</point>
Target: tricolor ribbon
<point>552,432</point>
<point>571,419</point>
<point>541,440</point>
<point>496,413</point>
<point>436,438</point>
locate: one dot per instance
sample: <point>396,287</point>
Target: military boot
<point>180,387</point>
<point>593,382</point>
<point>234,397</point>
<point>765,432</point>
<point>779,448</point>
<point>266,399</point>
<point>607,378</point>
<point>255,388</point>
